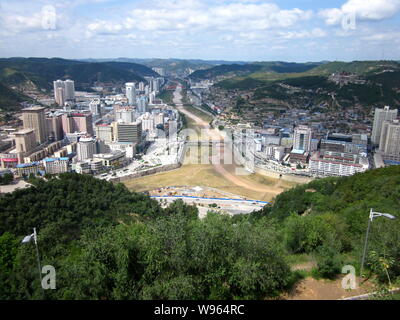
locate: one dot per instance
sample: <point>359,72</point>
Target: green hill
<point>108,243</point>
<point>313,88</point>
<point>336,211</point>
<point>357,67</point>
<point>241,70</point>
<point>288,67</point>
<point>271,73</point>
<point>224,70</point>
<point>41,72</point>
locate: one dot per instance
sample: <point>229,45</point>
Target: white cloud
<point>194,15</point>
<point>378,37</point>
<point>303,34</point>
<point>362,9</point>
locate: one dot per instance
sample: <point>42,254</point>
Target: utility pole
<point>38,260</point>
<point>372,215</point>
<point>366,243</point>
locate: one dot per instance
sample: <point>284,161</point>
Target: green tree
<point>329,261</point>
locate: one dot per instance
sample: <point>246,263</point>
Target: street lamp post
<point>372,216</point>
<point>28,239</point>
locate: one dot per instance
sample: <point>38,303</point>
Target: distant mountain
<point>357,67</point>
<point>41,72</point>
<point>235,70</point>
<point>172,66</point>
<point>224,70</point>
<point>156,62</point>
<point>281,71</point>
<point>288,67</point>
<point>376,83</point>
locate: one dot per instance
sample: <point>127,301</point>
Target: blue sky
<point>250,30</point>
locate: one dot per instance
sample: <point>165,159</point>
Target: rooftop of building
<point>34,108</point>
<point>86,139</point>
<point>297,151</point>
<point>24,131</point>
<point>56,159</point>
<point>108,155</point>
<point>27,165</point>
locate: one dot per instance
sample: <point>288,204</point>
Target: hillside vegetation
<point>41,72</point>
<point>10,99</point>
<point>224,70</point>
<point>332,215</point>
<point>378,85</point>
<point>240,70</point>
<point>108,243</point>
<point>270,74</point>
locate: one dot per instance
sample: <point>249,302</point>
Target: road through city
<point>229,170</point>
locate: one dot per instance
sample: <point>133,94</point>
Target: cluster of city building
<point>303,150</point>
<point>311,141</point>
<point>96,135</point>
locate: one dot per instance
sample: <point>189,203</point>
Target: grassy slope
<point>261,78</point>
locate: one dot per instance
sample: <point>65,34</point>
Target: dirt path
<point>312,289</point>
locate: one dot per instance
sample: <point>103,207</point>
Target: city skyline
<point>253,30</point>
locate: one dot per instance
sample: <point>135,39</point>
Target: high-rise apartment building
<point>69,86</point>
<point>86,148</point>
<point>64,91</point>
<point>128,132</point>
<point>389,144</point>
<point>152,97</point>
<point>147,122</point>
<point>34,118</point>
<point>95,107</point>
<point>124,114</point>
<point>159,119</point>
<point>54,126</point>
<point>142,104</point>
<point>77,122</point>
<point>141,86</point>
<point>59,95</point>
<point>104,132</point>
<point>380,116</point>
<point>156,85</point>
<point>131,93</point>
<point>302,138</point>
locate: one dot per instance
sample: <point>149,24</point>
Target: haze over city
<point>253,30</point>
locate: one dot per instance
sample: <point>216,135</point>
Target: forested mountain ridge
<point>224,70</point>
<point>236,70</point>
<point>271,72</point>
<point>364,84</point>
<point>42,72</point>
